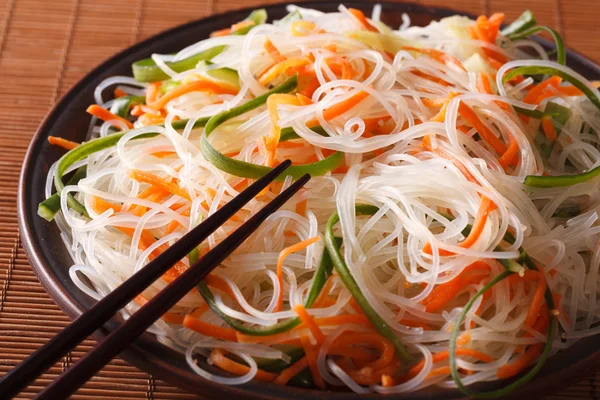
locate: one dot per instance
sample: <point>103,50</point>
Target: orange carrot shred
<point>282,255</point>
<point>339,108</point>
<point>64,143</point>
<point>309,321</point>
<point>217,332</point>
<point>284,376</point>
<point>443,355</point>
<point>522,362</point>
<point>155,180</point>
<point>202,85</point>
<point>548,128</point>
<point>485,132</point>
<point>362,19</point>
<point>118,92</point>
<point>220,360</point>
<point>105,115</point>
<point>311,357</point>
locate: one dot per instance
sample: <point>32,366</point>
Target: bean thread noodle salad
<point>450,232</point>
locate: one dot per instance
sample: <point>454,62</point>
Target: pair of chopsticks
<point>34,365</point>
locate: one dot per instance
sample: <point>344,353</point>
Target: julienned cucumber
<point>222,74</point>
<point>323,272</point>
<point>333,248</point>
<point>146,70</point>
<point>254,171</point>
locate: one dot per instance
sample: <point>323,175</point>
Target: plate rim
<point>163,370</point>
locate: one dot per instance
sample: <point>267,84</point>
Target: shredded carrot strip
<point>445,292</point>
<point>311,357</point>
<point>538,297</point>
<point>548,128</point>
<point>171,226</point>
<point>155,180</point>
<point>486,206</point>
<point>522,362</point>
<point>202,85</point>
<point>485,132</point>
<point>273,51</point>
<point>146,239</point>
<point>234,27</point>
<point>441,115</point>
<point>560,90</point>
<point>118,92</point>
<point>272,141</point>
<point>303,100</point>
<point>438,55</point>
<point>152,92</point>
<point>220,360</point>
<point>301,207</point>
<point>105,115</point>
<point>443,355</point>
<point>198,312</point>
<point>64,143</point>
<point>218,283</point>
<point>339,108</point>
<point>511,155</point>
<point>217,332</point>
<point>281,67</point>
<point>284,376</point>
<point>483,84</point>
<point>282,255</point>
<point>309,321</point>
<point>362,19</point>
<point>533,94</point>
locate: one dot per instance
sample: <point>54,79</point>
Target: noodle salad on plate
<point>450,232</point>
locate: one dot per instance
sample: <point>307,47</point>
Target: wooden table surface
<point>45,47</point>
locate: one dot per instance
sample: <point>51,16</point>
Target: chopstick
<point>106,308</point>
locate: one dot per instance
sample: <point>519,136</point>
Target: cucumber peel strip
<point>323,272</point>
<point>342,269</point>
<point>249,170</point>
<point>539,70</point>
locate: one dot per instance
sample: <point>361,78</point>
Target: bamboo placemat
<point>45,47</point>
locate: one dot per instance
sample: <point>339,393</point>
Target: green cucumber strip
<point>560,180</point>
<point>523,379</point>
<point>286,87</point>
<point>122,105</point>
<point>48,208</point>
<point>538,70</point>
<point>146,70</point>
<point>342,269</point>
<point>254,171</point>
<point>529,113</point>
<point>561,54</point>
<point>524,22</point>
<point>322,273</point>
<point>228,75</point>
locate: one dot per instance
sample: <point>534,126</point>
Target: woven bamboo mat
<point>45,47</point>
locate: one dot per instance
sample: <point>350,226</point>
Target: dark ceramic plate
<point>50,259</point>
